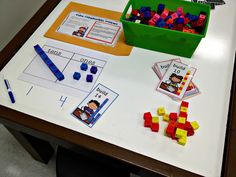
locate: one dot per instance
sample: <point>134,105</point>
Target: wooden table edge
<point>39,128</point>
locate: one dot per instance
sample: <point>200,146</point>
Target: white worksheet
<point>68,59</point>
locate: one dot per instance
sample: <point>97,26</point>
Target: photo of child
<point>90,110</point>
<point>172,84</point>
<point>91,107</point>
<point>80,32</point>
<point>85,113</point>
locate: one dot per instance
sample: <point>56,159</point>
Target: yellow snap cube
<point>161,111</point>
<point>155,119</point>
<point>182,120</point>
<point>182,141</point>
<point>183,109</point>
<point>166,118</point>
<point>180,133</point>
<point>195,125</point>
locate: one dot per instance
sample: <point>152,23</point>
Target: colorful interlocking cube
<point>182,141</point>
<point>161,111</point>
<point>166,118</point>
<point>180,133</point>
<point>195,125</point>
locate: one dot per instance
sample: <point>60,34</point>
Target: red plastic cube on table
<point>181,126</point>
<point>147,122</point>
<point>183,114</point>
<point>189,128</point>
<point>170,130</point>
<point>184,104</point>
<point>147,115</point>
<point>155,127</point>
<point>173,116</point>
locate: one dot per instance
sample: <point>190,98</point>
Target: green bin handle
<point>123,16</point>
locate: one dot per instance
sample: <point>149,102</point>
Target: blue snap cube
<point>180,21</point>
<point>144,9</point>
<point>60,76</point>
<point>170,26</point>
<point>160,23</point>
<point>84,66</point>
<point>133,18</point>
<point>57,73</point>
<point>93,69</point>
<point>89,78</point>
<point>160,8</point>
<point>76,76</point>
<point>48,62</point>
<point>53,68</point>
<point>147,14</point>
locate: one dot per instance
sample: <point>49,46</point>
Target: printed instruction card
<point>94,105</point>
<point>160,69</point>
<point>176,80</point>
<point>91,28</point>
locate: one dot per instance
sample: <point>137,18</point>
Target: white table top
<point>135,81</point>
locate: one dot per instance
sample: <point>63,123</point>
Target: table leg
<point>39,149</point>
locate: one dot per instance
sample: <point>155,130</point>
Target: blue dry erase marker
<point>9,91</point>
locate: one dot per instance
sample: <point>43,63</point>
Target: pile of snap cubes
<point>173,20</point>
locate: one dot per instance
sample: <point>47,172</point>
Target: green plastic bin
<point>161,39</point>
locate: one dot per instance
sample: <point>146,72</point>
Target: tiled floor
<point>16,162</point>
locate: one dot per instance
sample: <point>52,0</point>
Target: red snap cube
<point>147,122</point>
<point>173,116</point>
<point>155,127</point>
<point>183,114</point>
<point>147,115</point>
<point>184,104</point>
<point>181,126</point>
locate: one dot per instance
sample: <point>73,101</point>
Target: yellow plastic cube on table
<point>155,119</point>
<point>180,133</point>
<point>166,118</point>
<point>195,125</point>
<point>161,111</point>
<point>182,120</point>
<point>182,141</point>
<point>183,109</point>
